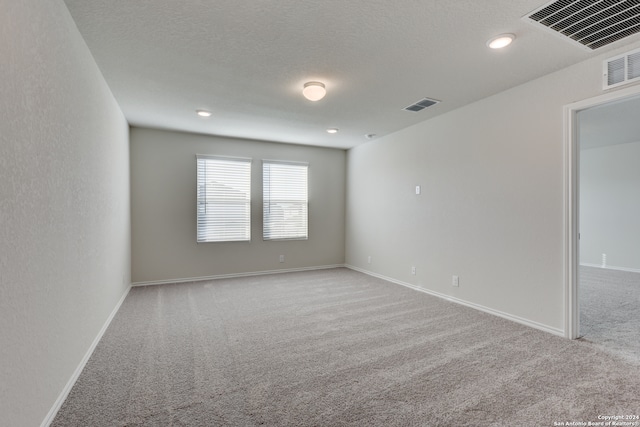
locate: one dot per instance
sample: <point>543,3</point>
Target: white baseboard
<point>230,276</point>
<point>610,267</point>
<point>526,322</point>
<point>67,388</point>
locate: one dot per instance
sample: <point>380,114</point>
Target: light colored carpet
<point>335,348</point>
<point>610,310</point>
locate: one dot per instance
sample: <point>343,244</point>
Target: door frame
<point>571,242</point>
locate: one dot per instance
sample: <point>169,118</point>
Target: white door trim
<point>572,202</point>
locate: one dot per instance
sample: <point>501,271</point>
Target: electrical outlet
<point>369,260</point>
<point>281,258</point>
<point>455,281</point>
<point>413,271</point>
<point>418,190</point>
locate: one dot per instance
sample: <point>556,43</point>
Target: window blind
<point>285,200</point>
<point>224,199</point>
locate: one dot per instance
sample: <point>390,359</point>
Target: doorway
<point>602,142</point>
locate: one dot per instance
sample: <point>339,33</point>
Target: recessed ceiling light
<point>203,113</point>
<point>314,91</point>
<point>503,40</point>
<point>332,130</point>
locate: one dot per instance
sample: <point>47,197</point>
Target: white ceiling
<point>246,61</point>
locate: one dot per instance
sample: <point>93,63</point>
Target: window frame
<point>246,204</point>
<point>266,193</point>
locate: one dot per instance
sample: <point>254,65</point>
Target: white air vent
<point>421,105</point>
<point>621,70</point>
<point>590,24</point>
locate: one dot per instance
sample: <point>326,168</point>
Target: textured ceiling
<point>246,61</point>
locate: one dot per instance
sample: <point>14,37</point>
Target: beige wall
<point>163,186</point>
<point>64,206</point>
<point>491,208</point>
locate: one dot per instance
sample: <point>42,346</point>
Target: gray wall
<point>163,186</point>
<point>491,209</point>
<point>610,205</point>
<point>64,206</point>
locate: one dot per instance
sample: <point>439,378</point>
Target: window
<point>224,199</point>
<point>285,201</point>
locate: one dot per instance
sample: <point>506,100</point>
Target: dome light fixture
<point>332,130</point>
<point>314,91</point>
<point>503,40</point>
<point>203,113</point>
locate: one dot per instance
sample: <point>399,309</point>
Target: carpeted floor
<point>335,348</point>
<point>610,310</point>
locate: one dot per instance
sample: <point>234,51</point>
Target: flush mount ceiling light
<point>332,130</point>
<point>203,113</point>
<point>314,91</point>
<point>503,40</point>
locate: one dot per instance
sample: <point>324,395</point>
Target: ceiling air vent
<point>621,70</point>
<point>421,105</point>
<point>589,23</point>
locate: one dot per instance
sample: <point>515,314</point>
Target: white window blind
<point>224,199</point>
<point>285,201</point>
